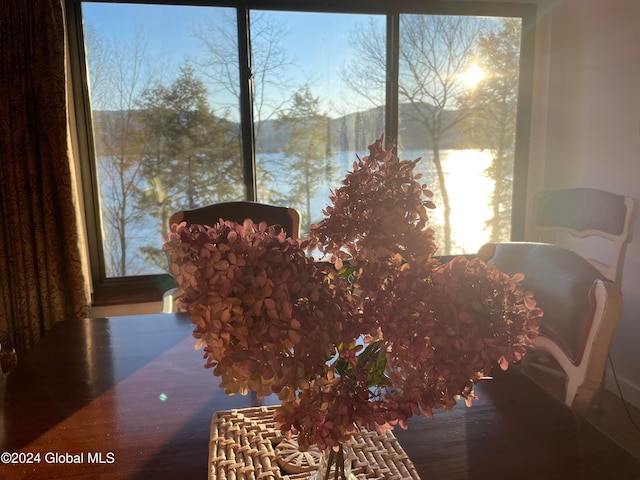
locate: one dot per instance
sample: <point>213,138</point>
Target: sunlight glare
<point>470,191</point>
<point>473,75</point>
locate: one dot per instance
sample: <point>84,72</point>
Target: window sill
<point>151,288</point>
<point>128,290</point>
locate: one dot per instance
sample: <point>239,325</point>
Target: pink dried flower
<point>381,333</point>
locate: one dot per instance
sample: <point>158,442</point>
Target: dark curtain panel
<point>41,277</point>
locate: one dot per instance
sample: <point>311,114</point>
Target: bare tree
<point>118,73</point>
<point>269,62</point>
<point>271,85</point>
<point>493,104</point>
<point>366,71</point>
<point>434,51</point>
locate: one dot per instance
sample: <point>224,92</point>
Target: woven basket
<point>246,445</point>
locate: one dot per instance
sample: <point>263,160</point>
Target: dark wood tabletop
<point>128,398</point>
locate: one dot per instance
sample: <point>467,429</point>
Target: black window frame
<point>149,288</point>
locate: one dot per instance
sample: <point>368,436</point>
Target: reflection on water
<point>470,192</point>
<point>468,186</point>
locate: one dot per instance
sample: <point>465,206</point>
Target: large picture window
<point>189,105</point>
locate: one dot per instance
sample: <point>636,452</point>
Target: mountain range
<point>351,132</point>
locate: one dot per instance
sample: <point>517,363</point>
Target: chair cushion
<point>561,281</point>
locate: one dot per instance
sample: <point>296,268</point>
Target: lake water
<point>468,186</point>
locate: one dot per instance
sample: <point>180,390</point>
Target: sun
<point>473,75</point>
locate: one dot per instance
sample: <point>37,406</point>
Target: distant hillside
<point>356,131</point>
<point>352,132</point>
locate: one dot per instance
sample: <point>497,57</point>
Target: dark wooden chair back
<point>286,218</point>
<point>562,216</point>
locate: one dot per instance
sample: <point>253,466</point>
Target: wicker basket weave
<point>246,445</point>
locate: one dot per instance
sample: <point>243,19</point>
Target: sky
<point>317,43</point>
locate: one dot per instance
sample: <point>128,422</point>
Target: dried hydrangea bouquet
<point>376,333</point>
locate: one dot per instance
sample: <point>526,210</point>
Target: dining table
<point>128,397</point>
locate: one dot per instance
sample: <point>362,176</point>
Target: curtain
<point>41,276</point>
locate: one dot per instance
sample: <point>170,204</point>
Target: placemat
<point>246,445</point>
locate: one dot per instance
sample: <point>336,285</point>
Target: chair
<point>581,311</point>
<point>284,217</point>
<point>587,217</point>
<point>288,219</point>
<point>587,220</point>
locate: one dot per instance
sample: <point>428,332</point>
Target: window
<point>189,105</point>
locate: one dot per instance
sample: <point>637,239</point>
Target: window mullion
<point>246,102</point>
<point>393,49</point>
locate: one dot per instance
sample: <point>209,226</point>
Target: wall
<point>592,134</point>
